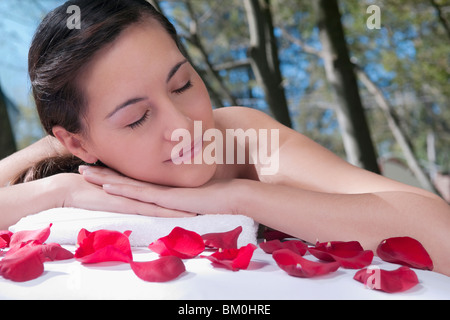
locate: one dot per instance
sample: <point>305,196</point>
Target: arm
<point>309,215</point>
<point>11,166</point>
<point>69,190</point>
<point>23,199</point>
<point>368,218</point>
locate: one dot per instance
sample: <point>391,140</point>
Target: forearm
<point>367,218</point>
<point>24,199</point>
<point>11,166</point>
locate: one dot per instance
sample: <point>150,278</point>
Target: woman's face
<point>139,90</point>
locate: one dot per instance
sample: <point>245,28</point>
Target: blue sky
<point>18,22</point>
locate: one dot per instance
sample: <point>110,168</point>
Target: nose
<point>174,118</point>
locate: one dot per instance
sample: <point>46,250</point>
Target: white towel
<point>67,222</point>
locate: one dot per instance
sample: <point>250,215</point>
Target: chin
<point>192,176</point>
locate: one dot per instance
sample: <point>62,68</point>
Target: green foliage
<point>408,59</point>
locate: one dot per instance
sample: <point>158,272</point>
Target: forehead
<point>141,55</point>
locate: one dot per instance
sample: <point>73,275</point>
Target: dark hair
<point>58,53</point>
<point>56,58</point>
<point>48,167</point>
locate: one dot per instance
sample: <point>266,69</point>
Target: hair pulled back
<point>56,58</point>
<point>58,53</point>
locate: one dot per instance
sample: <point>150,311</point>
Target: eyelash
<point>187,86</point>
<point>141,121</point>
<point>138,123</point>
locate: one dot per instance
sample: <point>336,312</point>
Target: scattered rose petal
<point>393,281</point>
<point>222,240</point>
<point>25,266</point>
<point>40,235</point>
<point>48,252</point>
<point>271,234</point>
<point>296,246</point>
<point>103,245</point>
<point>54,252</point>
<point>233,259</point>
<point>324,248</point>
<point>405,251</point>
<point>180,242</point>
<point>5,238</point>
<point>19,247</point>
<point>82,234</point>
<point>350,254</point>
<point>161,270</point>
<point>297,266</point>
<point>271,246</point>
<point>3,243</point>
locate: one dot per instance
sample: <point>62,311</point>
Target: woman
<point>118,89</point>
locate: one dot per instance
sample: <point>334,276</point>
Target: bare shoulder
<point>244,117</point>
<point>304,163</point>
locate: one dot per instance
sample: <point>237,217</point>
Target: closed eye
<point>140,122</point>
<point>187,86</point>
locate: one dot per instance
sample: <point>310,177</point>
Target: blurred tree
<point>339,70</point>
<point>7,141</point>
<point>234,43</point>
<point>385,89</point>
<point>263,54</point>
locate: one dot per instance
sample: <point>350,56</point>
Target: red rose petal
<point>271,234</point>
<point>393,281</point>
<point>361,260</point>
<point>296,246</point>
<point>324,248</point>
<point>405,251</point>
<point>349,254</point>
<point>103,245</point>
<point>54,252</point>
<point>233,259</point>
<point>271,246</point>
<point>28,235</point>
<point>180,242</point>
<point>164,269</point>
<point>18,247</point>
<point>24,261</point>
<point>297,266</point>
<point>21,267</point>
<point>5,238</point>
<point>3,243</point>
<point>83,234</point>
<point>222,240</point>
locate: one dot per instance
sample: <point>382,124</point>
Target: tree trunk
<point>7,141</point>
<point>195,40</point>
<point>400,136</point>
<point>339,70</point>
<point>263,54</point>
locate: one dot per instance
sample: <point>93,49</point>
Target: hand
<point>77,192</point>
<point>214,197</point>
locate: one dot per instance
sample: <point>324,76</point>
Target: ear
<point>74,143</point>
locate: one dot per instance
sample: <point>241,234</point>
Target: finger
<point>131,206</point>
<point>132,192</point>
<point>165,197</point>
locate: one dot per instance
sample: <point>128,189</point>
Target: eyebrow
<point>175,69</point>
<point>123,105</point>
<point>170,75</point>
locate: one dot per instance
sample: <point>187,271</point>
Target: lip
<point>196,147</point>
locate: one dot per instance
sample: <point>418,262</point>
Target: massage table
<point>262,280</point>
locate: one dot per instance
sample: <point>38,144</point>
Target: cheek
<point>135,163</point>
<point>203,107</point>
<point>126,154</point>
